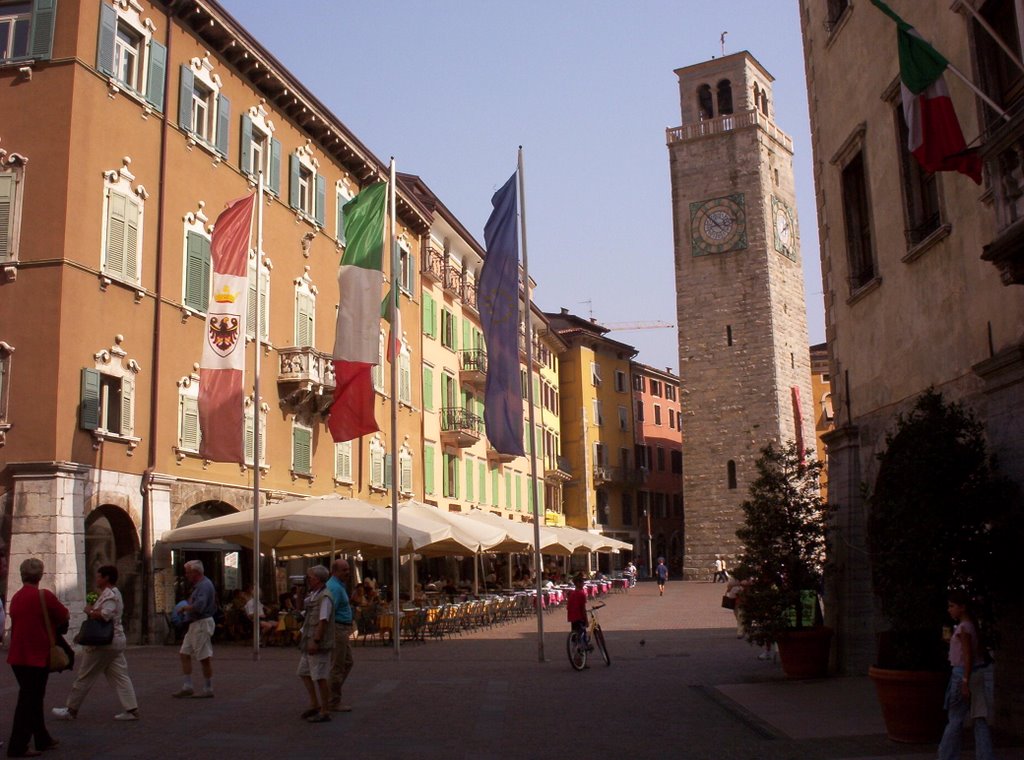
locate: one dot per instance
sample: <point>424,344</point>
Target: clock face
<point>718,225</point>
<point>785,234</point>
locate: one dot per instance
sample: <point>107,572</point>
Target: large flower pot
<point>911,703</point>
<point>805,652</point>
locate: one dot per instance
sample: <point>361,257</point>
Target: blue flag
<point>498,299</point>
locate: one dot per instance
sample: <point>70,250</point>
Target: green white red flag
<point>221,409</point>
<point>934,135</point>
<point>357,336</point>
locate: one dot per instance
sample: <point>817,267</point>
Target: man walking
<point>661,571</point>
<point>341,656</point>
<point>198,613</point>
<point>721,576</point>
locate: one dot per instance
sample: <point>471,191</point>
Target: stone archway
<point>112,538</point>
<point>227,565</point>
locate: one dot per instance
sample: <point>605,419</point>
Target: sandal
<point>319,718</point>
<point>310,713</point>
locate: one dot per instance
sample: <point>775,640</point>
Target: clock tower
<point>744,360</point>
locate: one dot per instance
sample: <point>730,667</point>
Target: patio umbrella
<point>550,542</point>
<point>591,542</point>
<point>467,536</point>
<point>312,526</point>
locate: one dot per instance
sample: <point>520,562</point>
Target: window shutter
<point>265,307</point>
<point>6,206</point>
<point>388,463</point>
<point>197,288</point>
<point>466,344</point>
<point>405,465</point>
<point>301,450</point>
<point>428,469</point>
<point>494,488</point>
<point>223,124</point>
<point>250,305</point>
<point>425,306</point>
<point>483,483</point>
<point>89,410</point>
<point>412,274</point>
<point>428,389</point>
<point>245,146</point>
<point>455,484</point>
<point>116,210</point>
<point>469,480</point>
<point>189,439</point>
<point>321,199</point>
<point>274,180</point>
<point>185,99</point>
<point>127,405</point>
<point>156,74</point>
<point>249,432</point>
<point>105,44</point>
<point>44,14</point>
<point>207,274</point>
<point>293,181</point>
<point>339,220</point>
<point>404,379</point>
<point>508,490</point>
<point>131,241</point>
<point>343,461</point>
<point>303,319</point>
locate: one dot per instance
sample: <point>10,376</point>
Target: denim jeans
<point>958,710</point>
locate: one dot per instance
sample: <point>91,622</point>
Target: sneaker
<point>341,708</point>
<point>319,718</point>
<point>184,691</point>
<point>126,716</point>
<point>204,694</point>
<point>62,713</point>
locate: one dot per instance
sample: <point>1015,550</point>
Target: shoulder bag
<point>58,657</point>
<point>95,633</point>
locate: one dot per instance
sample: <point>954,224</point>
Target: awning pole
<point>256,432</point>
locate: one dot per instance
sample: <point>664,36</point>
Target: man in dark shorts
<point>661,573</point>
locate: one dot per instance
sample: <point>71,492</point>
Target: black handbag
<point>95,633</point>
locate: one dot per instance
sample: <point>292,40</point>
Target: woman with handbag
<point>103,644</point>
<point>35,615</point>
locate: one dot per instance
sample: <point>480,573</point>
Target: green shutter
<point>89,410</point>
<point>156,73</point>
<point>6,209</point>
<point>301,450</point>
<point>44,13</point>
<point>321,199</point>
<point>428,469</point>
<point>339,219</point>
<point>223,124</point>
<point>483,483</point>
<point>519,492</point>
<point>469,480</point>
<point>428,389</point>
<point>293,181</point>
<point>197,272</point>
<point>508,490</point>
<point>185,99</point>
<point>412,273</point>
<point>245,146</point>
<point>105,44</point>
<point>494,488</point>
<point>275,167</point>
<point>466,342</point>
<point>388,464</point>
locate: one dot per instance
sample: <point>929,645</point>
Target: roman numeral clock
<point>718,225</point>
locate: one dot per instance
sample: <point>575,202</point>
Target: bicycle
<point>576,644</point>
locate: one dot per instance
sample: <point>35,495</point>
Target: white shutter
<point>188,439</point>
<point>377,468</point>
<point>404,378</point>
<point>127,405</point>
<point>405,473</point>
<point>343,462</point>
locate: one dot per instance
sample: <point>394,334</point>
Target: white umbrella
<point>550,542</point>
<point>314,525</point>
<point>591,542</point>
<point>465,533</point>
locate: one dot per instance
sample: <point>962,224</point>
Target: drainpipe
<point>154,405</point>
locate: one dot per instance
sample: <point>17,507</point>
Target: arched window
<point>724,97</point>
<point>705,107</point>
<point>730,473</point>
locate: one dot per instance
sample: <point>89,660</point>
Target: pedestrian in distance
<point>661,571</point>
<point>341,654</point>
<point>971,684</point>
<point>721,576</point>
<point>32,611</point>
<point>198,643</point>
<point>106,660</point>
<point>316,644</point>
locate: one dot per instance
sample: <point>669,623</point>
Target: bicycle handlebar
<point>597,606</point>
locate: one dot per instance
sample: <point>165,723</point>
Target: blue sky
<point>451,88</point>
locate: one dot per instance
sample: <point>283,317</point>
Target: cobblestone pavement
<point>680,684</point>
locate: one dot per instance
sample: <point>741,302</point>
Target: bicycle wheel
<point>577,653</point>
<point>599,640</point>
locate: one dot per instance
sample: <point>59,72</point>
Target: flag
<point>357,336</point>
<point>221,409</point>
<point>394,329</point>
<point>934,135</point>
<point>498,297</point>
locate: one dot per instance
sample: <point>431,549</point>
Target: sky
<point>452,88</point>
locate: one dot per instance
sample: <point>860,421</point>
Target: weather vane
<point>722,40</point>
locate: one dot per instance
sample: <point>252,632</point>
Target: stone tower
<point>743,350</point>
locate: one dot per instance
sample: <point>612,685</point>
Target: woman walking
<point>969,693</point>
<point>107,660</point>
<point>29,658</point>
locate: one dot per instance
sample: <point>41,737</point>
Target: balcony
<point>469,294</point>
<point>433,263</point>
<point>460,427</point>
<point>473,367</point>
<point>728,123</point>
<point>629,476</point>
<point>602,474</point>
<point>451,280</point>
<point>1003,153</point>
<point>557,471</point>
<point>305,380</point>
<point>496,456</point>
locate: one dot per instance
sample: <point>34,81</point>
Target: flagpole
<point>977,91</point>
<point>256,432</point>
<point>396,628</point>
<point>528,327</point>
<point>983,23</point>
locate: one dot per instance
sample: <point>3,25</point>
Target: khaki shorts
<point>316,666</point>
<point>197,641</point>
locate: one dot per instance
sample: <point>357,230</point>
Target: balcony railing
<point>452,280</point>
<point>473,366</point>
<point>1003,153</point>
<point>557,470</point>
<point>305,380</point>
<point>728,123</point>
<point>433,263</point>
<point>602,474</point>
<point>469,293</point>
<point>460,426</point>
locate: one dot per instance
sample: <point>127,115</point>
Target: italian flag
<point>357,337</point>
<point>935,138</point>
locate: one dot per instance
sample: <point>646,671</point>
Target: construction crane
<point>627,326</point>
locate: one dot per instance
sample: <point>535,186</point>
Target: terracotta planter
<point>805,652</point>
<point>911,703</point>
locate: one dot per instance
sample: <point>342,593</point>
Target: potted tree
<point>935,517</point>
<point>783,559</point>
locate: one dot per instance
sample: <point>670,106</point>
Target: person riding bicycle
<point>576,610</point>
